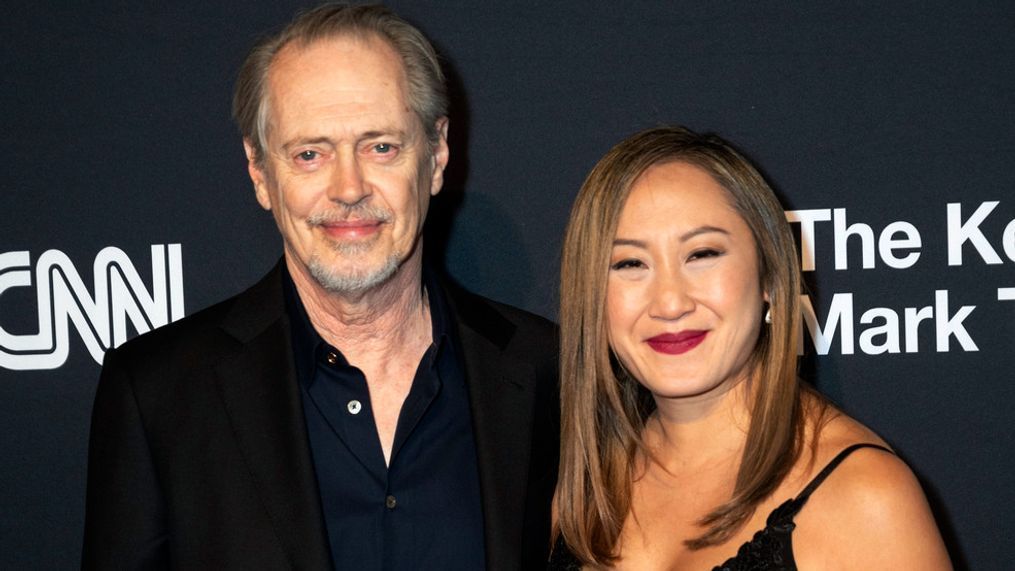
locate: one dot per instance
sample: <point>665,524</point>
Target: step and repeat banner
<point>886,129</point>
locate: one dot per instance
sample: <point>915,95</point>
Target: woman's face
<point>684,299</point>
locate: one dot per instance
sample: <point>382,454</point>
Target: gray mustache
<point>353,212</point>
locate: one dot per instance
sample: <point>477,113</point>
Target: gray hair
<point>427,95</point>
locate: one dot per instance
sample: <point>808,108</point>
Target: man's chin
<point>352,248</point>
<point>352,280</point>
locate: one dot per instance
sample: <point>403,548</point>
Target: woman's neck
<point>691,433</point>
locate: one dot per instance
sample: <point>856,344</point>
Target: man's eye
<point>382,148</point>
<point>307,155</point>
<point>628,263</point>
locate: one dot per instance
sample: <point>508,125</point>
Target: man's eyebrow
<point>383,133</point>
<point>374,134</point>
<point>305,141</point>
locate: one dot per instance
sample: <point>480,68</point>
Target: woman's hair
<point>604,410</point>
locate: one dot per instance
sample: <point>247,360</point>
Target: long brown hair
<point>604,410</point>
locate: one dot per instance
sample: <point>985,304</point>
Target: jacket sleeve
<point>125,512</point>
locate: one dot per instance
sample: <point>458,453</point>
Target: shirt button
<point>354,407</point>
<point>332,358</point>
<point>389,502</point>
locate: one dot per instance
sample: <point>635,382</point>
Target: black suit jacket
<point>199,458</point>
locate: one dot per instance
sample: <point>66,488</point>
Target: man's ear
<point>439,155</point>
<point>257,176</point>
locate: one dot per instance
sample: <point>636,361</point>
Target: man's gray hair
<point>427,95</point>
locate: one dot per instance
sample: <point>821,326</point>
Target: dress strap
<point>800,499</point>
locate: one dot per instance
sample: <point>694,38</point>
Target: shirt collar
<point>307,343</point>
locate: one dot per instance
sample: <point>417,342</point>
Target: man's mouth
<point>351,229</point>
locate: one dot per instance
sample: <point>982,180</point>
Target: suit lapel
<point>261,396</point>
<point>262,399</point>
<point>502,401</point>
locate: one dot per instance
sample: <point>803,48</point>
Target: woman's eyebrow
<point>628,242</point>
<point>702,230</point>
<point>683,237</point>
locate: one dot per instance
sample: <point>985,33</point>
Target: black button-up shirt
<point>423,510</point>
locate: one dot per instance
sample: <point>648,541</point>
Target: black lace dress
<point>771,549</point>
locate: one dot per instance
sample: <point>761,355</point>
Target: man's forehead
<point>352,52</point>
<point>342,78</point>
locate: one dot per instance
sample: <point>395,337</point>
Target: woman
<point>687,441</point>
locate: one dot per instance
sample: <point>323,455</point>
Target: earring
<point>768,316</point>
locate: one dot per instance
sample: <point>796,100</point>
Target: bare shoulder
<point>869,513</point>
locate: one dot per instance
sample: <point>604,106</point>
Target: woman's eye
<point>627,264</point>
<point>706,253</point>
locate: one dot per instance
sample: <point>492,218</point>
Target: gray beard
<point>334,279</point>
<point>352,281</point>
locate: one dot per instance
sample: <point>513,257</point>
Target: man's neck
<point>377,324</point>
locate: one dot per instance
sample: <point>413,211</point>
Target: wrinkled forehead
<point>361,39</point>
<point>342,70</point>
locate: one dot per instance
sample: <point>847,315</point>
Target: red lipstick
<point>677,343</point>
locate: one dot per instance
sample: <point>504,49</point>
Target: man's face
<point>348,171</point>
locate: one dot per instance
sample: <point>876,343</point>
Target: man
<point>349,410</point>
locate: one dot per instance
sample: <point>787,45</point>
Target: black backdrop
<point>116,134</point>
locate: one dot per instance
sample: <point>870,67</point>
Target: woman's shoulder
<point>869,511</point>
<point>831,432</point>
<point>870,483</point>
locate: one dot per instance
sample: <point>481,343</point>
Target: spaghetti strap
<point>800,499</point>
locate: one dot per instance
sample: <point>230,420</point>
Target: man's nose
<point>672,297</point>
<point>347,185</point>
